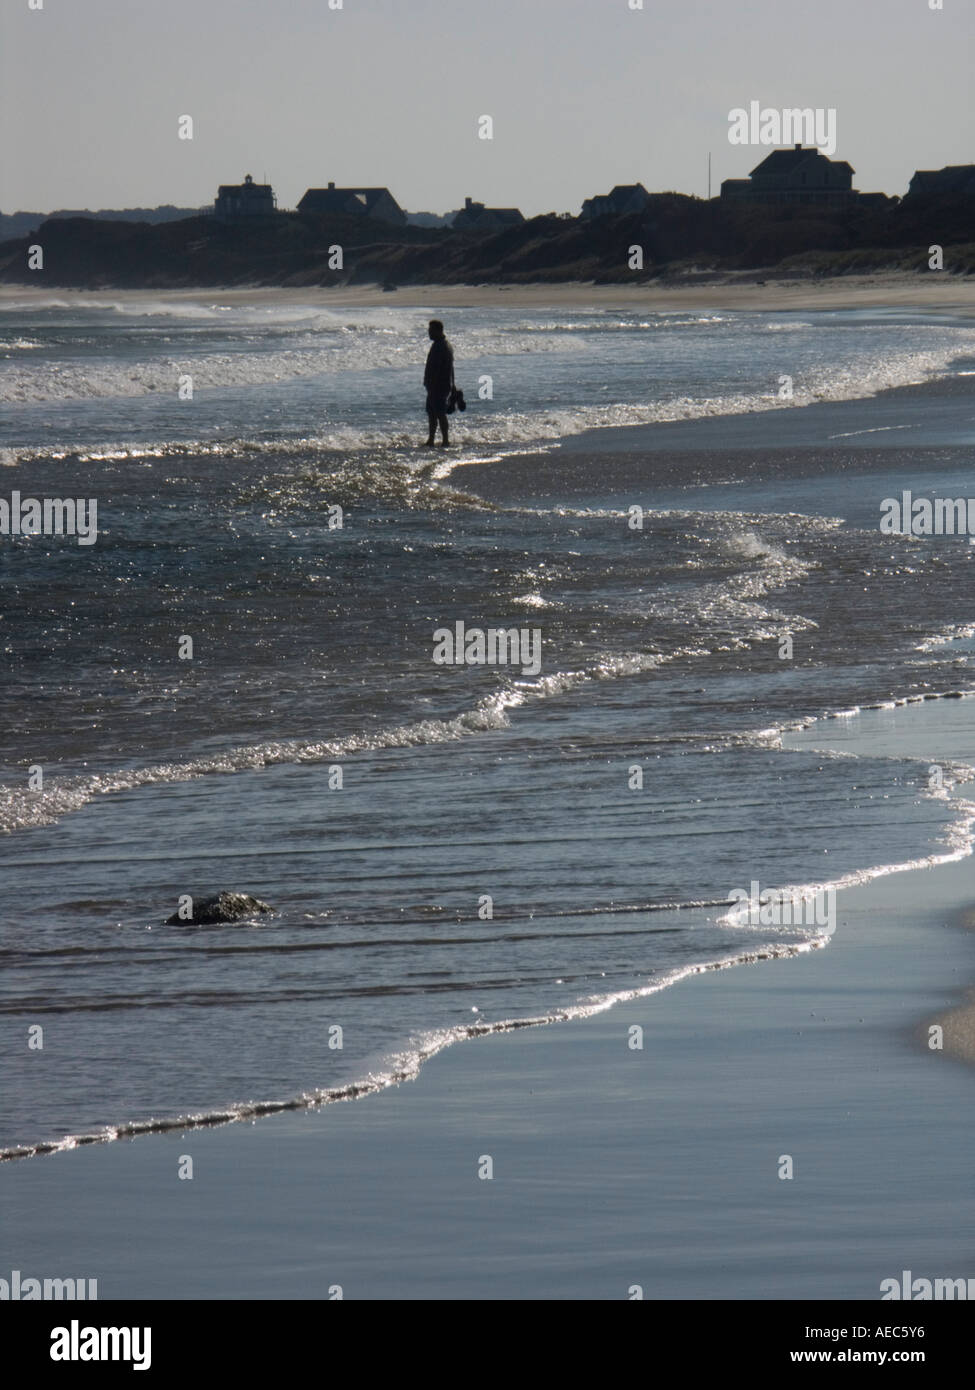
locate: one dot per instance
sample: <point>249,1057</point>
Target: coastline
<point>613,1168</point>
<point>933,291</point>
<point>487,771</point>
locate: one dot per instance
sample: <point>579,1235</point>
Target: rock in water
<point>225,907</point>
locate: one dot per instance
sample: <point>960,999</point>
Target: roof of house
<point>950,174</point>
<point>782,162</point>
<point>951,169</point>
<point>474,212</point>
<point>603,203</point>
<point>248,186</point>
<point>334,199</point>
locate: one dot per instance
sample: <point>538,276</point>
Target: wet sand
<point>615,1168</point>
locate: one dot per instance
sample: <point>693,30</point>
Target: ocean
<point>235,686</point>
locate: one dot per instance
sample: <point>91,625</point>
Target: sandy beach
<point>785,1131</point>
<point>616,1171</point>
<point>934,291</point>
<point>487,729</point>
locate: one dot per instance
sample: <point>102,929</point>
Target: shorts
<point>437,402</point>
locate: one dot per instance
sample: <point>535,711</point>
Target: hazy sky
<point>583,94</point>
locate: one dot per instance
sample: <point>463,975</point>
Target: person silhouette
<point>438,378</point>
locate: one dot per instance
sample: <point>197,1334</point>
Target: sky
<point>583,94</point>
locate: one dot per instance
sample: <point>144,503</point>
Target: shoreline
<point>934,291</point>
<point>665,1177</point>
<point>612,1166</point>
<point>959,1025</point>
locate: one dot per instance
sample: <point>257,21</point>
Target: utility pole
<point>709,176</point>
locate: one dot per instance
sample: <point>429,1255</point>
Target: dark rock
<point>225,907</point>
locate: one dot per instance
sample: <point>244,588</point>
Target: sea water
<point>235,687</point>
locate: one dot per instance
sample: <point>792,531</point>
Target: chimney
<point>331,185</point>
<point>467,202</point>
<point>798,145</point>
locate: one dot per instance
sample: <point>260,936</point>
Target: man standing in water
<point>438,380</point>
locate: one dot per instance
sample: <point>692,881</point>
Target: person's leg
<point>443,428</point>
<point>432,417</point>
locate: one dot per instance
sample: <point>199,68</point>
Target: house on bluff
<point>953,178</point>
<point>476,217</point>
<point>795,176</point>
<point>377,203</point>
<point>247,199</point>
<point>625,197</point>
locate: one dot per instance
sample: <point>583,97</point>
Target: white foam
<point>953,632</point>
<point>333,347</point>
<point>402,1066</point>
<point>20,809</point>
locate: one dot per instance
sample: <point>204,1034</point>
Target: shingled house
<point>625,197</point>
<point>953,178</point>
<point>247,199</point>
<point>476,217</point>
<point>795,176</point>
<point>377,203</point>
